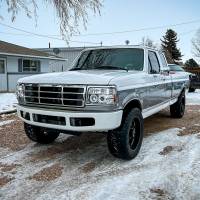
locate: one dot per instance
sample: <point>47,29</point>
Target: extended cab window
<point>154,66</point>
<point>163,61</point>
<point>130,59</point>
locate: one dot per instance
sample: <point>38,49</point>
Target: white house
<point>68,53</point>
<point>17,62</point>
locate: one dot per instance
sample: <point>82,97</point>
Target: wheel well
<point>182,91</point>
<point>132,104</point>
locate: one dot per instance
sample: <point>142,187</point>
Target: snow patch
<point>2,123</point>
<point>176,174</point>
<point>8,102</point>
<point>193,98</point>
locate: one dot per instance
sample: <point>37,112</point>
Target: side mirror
<point>165,72</point>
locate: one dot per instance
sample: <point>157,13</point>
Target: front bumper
<point>103,121</point>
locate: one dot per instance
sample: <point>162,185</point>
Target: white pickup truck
<point>108,89</point>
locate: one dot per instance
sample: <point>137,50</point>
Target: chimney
<point>49,45</point>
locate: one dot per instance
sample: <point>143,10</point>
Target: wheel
<point>177,110</point>
<point>125,142</point>
<point>191,89</point>
<point>39,134</point>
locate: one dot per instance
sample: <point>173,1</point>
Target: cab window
<point>154,66</point>
<point>163,61</point>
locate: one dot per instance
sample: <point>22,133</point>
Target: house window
<point>2,66</point>
<point>27,65</point>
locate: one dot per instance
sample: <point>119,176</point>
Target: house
<point>17,62</point>
<point>68,53</point>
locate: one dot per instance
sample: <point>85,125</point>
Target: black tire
<point>191,89</point>
<point>177,110</point>
<point>39,134</point>
<point>125,142</point>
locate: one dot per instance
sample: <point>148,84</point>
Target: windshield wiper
<point>110,67</point>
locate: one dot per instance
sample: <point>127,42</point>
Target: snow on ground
<point>155,174</point>
<point>167,167</point>
<point>7,102</point>
<point>193,98</point>
<point>2,123</point>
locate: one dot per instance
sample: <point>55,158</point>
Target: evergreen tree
<point>191,63</point>
<point>169,45</point>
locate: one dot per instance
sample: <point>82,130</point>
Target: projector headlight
<point>101,95</point>
<point>20,92</point>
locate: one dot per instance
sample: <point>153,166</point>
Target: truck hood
<point>83,77</point>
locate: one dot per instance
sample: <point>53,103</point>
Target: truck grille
<point>73,96</point>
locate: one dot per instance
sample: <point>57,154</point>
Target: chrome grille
<point>60,95</point>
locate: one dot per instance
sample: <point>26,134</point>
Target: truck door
<point>166,77</point>
<point>156,90</point>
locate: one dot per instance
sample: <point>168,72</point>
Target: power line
<point>142,29</point>
<point>188,32</point>
<point>44,36</point>
<point>28,33</point>
<point>20,34</point>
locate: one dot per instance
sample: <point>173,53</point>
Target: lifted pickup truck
<point>109,89</point>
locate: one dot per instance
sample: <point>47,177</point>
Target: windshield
<point>128,59</point>
<point>176,68</point>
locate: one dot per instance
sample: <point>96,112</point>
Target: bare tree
<point>146,41</point>
<point>196,45</point>
<point>70,12</point>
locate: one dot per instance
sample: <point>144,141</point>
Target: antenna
<point>56,51</point>
<point>127,42</point>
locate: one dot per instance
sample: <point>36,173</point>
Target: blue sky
<point>116,15</point>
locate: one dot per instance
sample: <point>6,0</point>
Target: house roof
<point>16,50</point>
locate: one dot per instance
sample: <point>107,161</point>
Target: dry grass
<point>158,191</point>
<point>8,167</point>
<point>13,136</point>
<point>166,150</point>
<point>4,180</point>
<point>48,173</point>
<point>162,121</point>
<point>88,167</point>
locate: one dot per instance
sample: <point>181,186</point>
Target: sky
<point>116,15</point>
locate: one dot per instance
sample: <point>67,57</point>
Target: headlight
<point>101,95</point>
<point>20,93</point>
